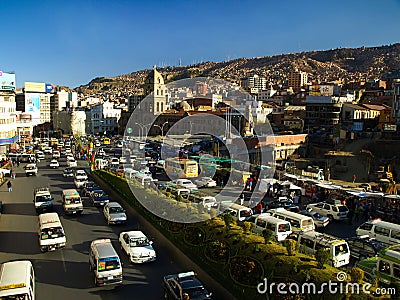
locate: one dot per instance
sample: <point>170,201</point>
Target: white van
<point>51,233</point>
<point>281,228</point>
<point>142,178</point>
<point>105,263</point>
<point>72,202</point>
<point>17,280</point>
<point>385,232</point>
<point>241,213</point>
<point>309,242</point>
<point>298,221</point>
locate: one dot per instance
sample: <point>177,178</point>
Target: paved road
<point>64,274</point>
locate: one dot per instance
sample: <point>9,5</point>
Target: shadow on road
<point>15,242</point>
<point>24,209</point>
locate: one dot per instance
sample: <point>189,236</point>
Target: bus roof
<point>14,277</point>
<point>70,192</point>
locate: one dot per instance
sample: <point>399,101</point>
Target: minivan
<point>385,232</point>
<point>241,213</point>
<point>105,263</point>
<point>281,228</point>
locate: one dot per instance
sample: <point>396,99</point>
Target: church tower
<point>154,83</point>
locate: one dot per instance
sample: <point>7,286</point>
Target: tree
<point>247,226</point>
<point>322,257</point>
<point>229,220</point>
<point>357,275</point>
<point>267,235</point>
<point>290,246</point>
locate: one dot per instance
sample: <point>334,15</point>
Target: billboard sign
<point>32,105</point>
<point>7,81</point>
<point>49,88</point>
<point>35,87</point>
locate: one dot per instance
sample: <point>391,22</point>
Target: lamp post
<point>161,127</point>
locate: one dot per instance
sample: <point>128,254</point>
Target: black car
<point>99,197</point>
<point>286,204</point>
<point>363,247</point>
<point>88,187</point>
<point>184,286</point>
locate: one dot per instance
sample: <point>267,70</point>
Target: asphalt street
<point>64,274</point>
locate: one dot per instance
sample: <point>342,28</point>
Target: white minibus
<point>311,241</point>
<point>51,232</point>
<point>17,280</point>
<point>241,213</point>
<point>298,221</point>
<point>281,228</point>
<point>385,232</point>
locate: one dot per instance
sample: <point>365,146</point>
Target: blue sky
<point>71,42</point>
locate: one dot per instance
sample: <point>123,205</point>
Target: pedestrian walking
<point>12,175</point>
<point>241,198</point>
<point>354,178</point>
<point>9,185</point>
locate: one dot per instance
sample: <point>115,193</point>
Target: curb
<point>211,284</point>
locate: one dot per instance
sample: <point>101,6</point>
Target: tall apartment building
<point>8,126</point>
<point>254,82</point>
<point>297,79</point>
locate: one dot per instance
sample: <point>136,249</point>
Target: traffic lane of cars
<point>66,273</point>
<point>170,260</point>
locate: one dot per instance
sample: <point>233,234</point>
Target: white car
<point>71,162</point>
<point>79,183</point>
<point>31,169</point>
<point>331,210</point>
<point>186,183</point>
<point>80,174</point>
<point>54,164</point>
<point>205,182</point>
<point>137,246</point>
<point>114,161</point>
<point>114,213</point>
<point>56,154</point>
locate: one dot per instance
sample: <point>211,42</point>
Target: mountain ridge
<point>347,64</point>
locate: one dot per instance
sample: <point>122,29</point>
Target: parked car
<point>319,221</point>
<point>364,247</point>
<point>54,164</point>
<point>114,213</point>
<point>333,211</point>
<point>205,182</point>
<point>286,204</point>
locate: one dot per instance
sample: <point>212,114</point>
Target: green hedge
<point>237,259</point>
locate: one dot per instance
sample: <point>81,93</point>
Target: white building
<point>8,126</point>
<point>78,121</point>
<point>102,118</point>
<point>66,99</point>
<point>254,81</point>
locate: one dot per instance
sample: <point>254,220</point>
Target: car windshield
<point>343,208</point>
<point>341,249</point>
<point>90,184</point>
<point>51,233</point>
<point>141,242</point>
<point>116,210</point>
<point>109,263</point>
<point>317,216</point>
<point>43,198</point>
<point>99,193</point>
<point>74,200</point>
<point>284,227</point>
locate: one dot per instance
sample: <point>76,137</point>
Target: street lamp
<point>161,127</point>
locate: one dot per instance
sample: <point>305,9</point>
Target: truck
<point>42,200</point>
